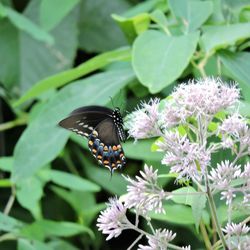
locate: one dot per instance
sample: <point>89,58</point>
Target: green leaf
<point>41,229</point>
<point>237,66</point>
<point>141,150</point>
<point>24,244</point>
<point>217,37</point>
<point>52,12</point>
<point>186,198</point>
<point>244,109</point>
<point>28,60</point>
<point>159,17</point>
<point>193,13</point>
<point>115,185</point>
<point>43,140</point>
<point>175,213</point>
<point>192,198</point>
<point>58,244</point>
<point>62,78</point>
<point>158,59</point>
<point>133,26</point>
<point>70,181</point>
<point>198,206</point>
<point>23,23</point>
<point>83,203</point>
<point>98,32</point>
<point>8,54</point>
<point>38,60</point>
<point>141,7</point>
<point>6,163</point>
<point>31,201</point>
<point>10,224</point>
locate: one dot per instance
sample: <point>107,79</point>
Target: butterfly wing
<point>107,132</point>
<point>83,120</point>
<point>104,144</point>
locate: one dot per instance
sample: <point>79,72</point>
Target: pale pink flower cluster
<point>237,229</point>
<point>234,129</point>
<point>144,193</point>
<point>205,97</point>
<point>187,159</point>
<point>225,174</point>
<point>142,123</point>
<point>113,220</point>
<point>237,235</point>
<point>159,240</point>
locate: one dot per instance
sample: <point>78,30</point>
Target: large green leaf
<point>41,229</point>
<point>38,60</point>
<point>23,23</point>
<point>31,201</point>
<point>70,181</point>
<point>134,25</point>
<point>6,163</point>
<point>52,12</point>
<point>24,244</point>
<point>42,141</point>
<point>83,202</point>
<point>217,37</point>
<point>8,54</point>
<point>237,66</point>
<point>193,13</point>
<point>175,213</point>
<point>9,224</point>
<point>114,185</point>
<point>192,198</point>
<point>158,59</point>
<point>141,150</point>
<point>28,60</point>
<point>64,77</point>
<point>98,32</point>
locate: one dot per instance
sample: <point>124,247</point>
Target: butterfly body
<point>103,127</point>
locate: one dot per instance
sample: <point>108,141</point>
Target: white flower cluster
<point>223,177</point>
<point>192,125</point>
<point>144,195</point>
<point>187,159</point>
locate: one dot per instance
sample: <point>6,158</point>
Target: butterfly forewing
<point>83,120</point>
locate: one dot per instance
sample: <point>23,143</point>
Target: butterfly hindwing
<point>105,146</point>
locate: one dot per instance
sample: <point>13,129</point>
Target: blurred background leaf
<point>60,55</point>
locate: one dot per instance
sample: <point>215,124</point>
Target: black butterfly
<point>104,129</point>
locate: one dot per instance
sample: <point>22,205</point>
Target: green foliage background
<point>62,54</point>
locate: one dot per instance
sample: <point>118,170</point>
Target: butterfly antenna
<point>111,99</point>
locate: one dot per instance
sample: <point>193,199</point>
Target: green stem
<point>214,215</point>
<point>205,236</point>
<point>7,236</point>
<point>11,124</point>
<point>11,201</point>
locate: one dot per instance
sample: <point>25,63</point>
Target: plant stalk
<point>214,215</point>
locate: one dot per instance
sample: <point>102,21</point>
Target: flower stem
<point>205,236</point>
<point>10,201</point>
<point>137,239</point>
<point>214,215</point>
